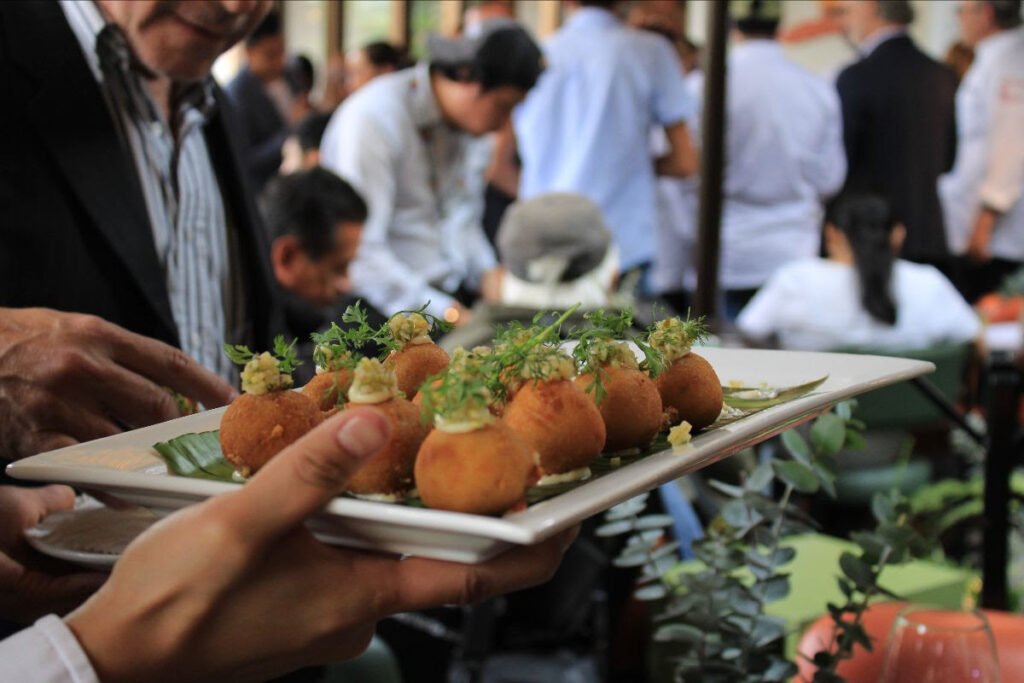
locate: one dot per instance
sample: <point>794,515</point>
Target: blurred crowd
<point>930,151</point>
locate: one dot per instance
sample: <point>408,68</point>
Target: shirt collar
<point>591,18</point>
<point>87,23</point>
<point>871,43</point>
<point>423,107</point>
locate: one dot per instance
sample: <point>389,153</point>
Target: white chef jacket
<point>584,127</point>
<point>423,182</point>
<point>784,156</point>
<point>814,305</point>
<point>46,652</point>
<point>989,168</point>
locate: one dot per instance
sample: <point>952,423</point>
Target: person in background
<point>315,219</point>
<point>335,86</point>
<point>784,156</point>
<point>301,149</point>
<point>300,76</point>
<point>862,295</point>
<point>899,126</point>
<point>556,252</point>
<point>238,589</point>
<point>982,194</point>
<point>959,58</point>
<point>585,127</point>
<point>410,143</point>
<point>148,252</point>
<point>372,60</point>
<point>677,200</point>
<point>263,117</point>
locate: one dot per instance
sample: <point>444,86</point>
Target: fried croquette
<point>559,421</point>
<point>256,427</point>
<point>329,389</point>
<point>630,406</point>
<point>691,391</point>
<point>483,471</point>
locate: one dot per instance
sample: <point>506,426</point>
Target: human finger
<point>422,583</point>
<point>81,423</point>
<point>43,441</point>
<point>168,366</point>
<point>307,475</point>
<point>134,399</point>
<point>33,504</point>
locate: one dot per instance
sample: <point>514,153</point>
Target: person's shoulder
<point>854,76</point>
<point>920,274</point>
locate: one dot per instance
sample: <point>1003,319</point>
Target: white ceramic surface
<point>126,466</point>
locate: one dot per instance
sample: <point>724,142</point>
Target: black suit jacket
<point>900,132</point>
<point>264,131</point>
<point>74,231</point>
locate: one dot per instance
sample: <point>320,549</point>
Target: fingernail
<point>363,435</point>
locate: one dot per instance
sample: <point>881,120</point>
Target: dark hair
<point>1006,13</point>
<point>867,222</point>
<point>310,204</point>
<point>382,54</point>
<point>755,18</point>
<point>310,130</point>
<point>269,27</point>
<point>896,11</point>
<point>505,57</point>
<point>299,74</point>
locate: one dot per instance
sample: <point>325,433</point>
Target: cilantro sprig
<point>283,352</point>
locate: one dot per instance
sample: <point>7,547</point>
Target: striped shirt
<point>183,199</point>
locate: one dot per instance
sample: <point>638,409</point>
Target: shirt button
<point>195,340</point>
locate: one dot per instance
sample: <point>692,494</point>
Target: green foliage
<point>482,378</point>
<point>283,351</point>
<point>715,616</point>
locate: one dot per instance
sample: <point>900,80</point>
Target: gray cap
<point>558,236</point>
<point>499,53</point>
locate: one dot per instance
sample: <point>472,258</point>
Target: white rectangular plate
<point>126,465</point>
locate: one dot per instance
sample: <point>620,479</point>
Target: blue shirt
<point>584,127</point>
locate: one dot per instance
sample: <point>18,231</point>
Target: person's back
<point>813,305</point>
<point>861,295</point>
<point>585,126</point>
<point>900,133</point>
<point>784,157</point>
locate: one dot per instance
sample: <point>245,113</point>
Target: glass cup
<point>928,645</point>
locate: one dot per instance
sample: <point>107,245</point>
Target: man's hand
<point>981,235</point>
<point>66,378</point>
<point>32,585</point>
<point>238,589</point>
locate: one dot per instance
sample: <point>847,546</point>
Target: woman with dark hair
<point>861,295</point>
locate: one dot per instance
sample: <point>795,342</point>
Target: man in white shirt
<point>585,127</point>
<point>784,156</point>
<point>412,144</point>
<point>981,196</point>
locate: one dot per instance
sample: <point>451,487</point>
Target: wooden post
<point>451,17</point>
<point>712,165</point>
<point>399,34</point>
<point>550,17</point>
